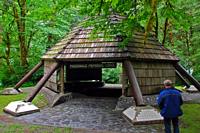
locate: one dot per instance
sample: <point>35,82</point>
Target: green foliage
<point>111,75</point>
<point>183,38</point>
<point>45,23</point>
<point>9,79</point>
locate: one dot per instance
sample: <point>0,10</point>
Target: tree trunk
<point>165,31</point>
<point>157,24</point>
<point>7,56</point>
<point>21,27</point>
<point>187,39</point>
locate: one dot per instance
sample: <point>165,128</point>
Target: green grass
<point>24,128</point>
<point>6,99</point>
<point>181,88</point>
<point>190,120</point>
<point>39,100</point>
<point>28,84</point>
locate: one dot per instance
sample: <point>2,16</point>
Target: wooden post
<point>124,80</point>
<point>184,73</point>
<point>182,78</point>
<point>28,75</point>
<point>134,84</point>
<point>62,80</point>
<point>41,83</point>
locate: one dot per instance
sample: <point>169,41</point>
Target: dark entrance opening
<point>87,79</point>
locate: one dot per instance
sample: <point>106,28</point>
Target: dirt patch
<point>6,119</point>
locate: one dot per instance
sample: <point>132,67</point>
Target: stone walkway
<point>90,113</point>
<point>125,102</point>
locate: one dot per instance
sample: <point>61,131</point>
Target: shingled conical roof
<point>77,46</point>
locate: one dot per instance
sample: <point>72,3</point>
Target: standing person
<point>170,101</point>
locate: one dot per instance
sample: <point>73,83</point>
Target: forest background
<point>28,28</point>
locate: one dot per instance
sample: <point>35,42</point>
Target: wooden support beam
<point>124,81</point>
<point>182,79</point>
<point>41,83</point>
<point>62,79</point>
<point>28,75</point>
<point>184,73</point>
<point>134,84</point>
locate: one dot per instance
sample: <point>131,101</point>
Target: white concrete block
<point>143,115</point>
<point>192,88</point>
<point>130,113</point>
<point>18,108</point>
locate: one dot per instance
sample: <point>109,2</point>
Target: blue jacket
<point>170,102</point>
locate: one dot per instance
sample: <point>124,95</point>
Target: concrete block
<point>142,115</point>
<point>18,108</point>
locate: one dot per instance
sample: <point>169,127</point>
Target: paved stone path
<point>125,102</point>
<point>91,113</point>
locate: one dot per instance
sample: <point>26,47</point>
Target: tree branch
<point>30,39</point>
<point>2,57</point>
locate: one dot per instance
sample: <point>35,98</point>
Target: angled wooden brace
<point>134,83</point>
<point>28,75</point>
<point>184,73</point>
<point>41,83</point>
<point>182,79</point>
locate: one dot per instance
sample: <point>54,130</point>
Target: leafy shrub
<point>9,79</point>
<point>111,75</point>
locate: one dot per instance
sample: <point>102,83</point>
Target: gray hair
<point>167,82</point>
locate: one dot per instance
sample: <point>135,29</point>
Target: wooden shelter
<point>152,62</point>
<point>77,59</point>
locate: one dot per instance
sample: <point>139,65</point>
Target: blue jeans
<point>167,123</point>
